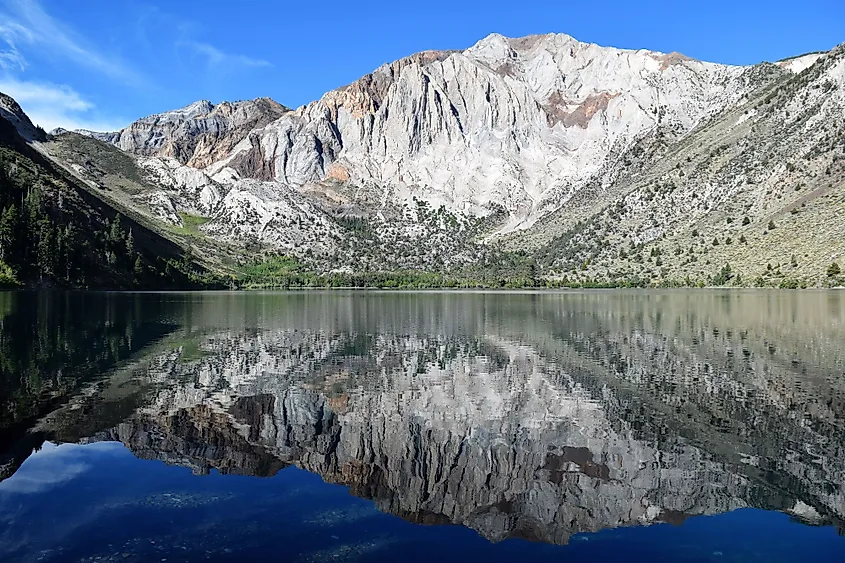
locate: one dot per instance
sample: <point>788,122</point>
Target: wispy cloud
<point>25,28</point>
<point>220,60</point>
<point>32,40</point>
<point>27,23</point>
<point>11,34</point>
<point>56,105</point>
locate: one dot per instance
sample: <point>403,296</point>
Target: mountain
<point>760,187</point>
<point>542,159</point>
<point>516,123</point>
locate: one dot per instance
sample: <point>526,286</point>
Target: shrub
<point>7,276</point>
<point>833,270</point>
<point>723,276</point>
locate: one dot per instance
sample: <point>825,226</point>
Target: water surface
<point>379,426</point>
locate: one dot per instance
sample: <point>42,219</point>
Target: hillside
<point>54,233</point>
<point>761,188</point>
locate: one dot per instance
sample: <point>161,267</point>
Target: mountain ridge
<point>525,136</point>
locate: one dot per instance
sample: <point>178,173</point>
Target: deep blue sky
<point>103,63</point>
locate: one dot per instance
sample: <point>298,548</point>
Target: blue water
<point>99,502</point>
<point>674,426</point>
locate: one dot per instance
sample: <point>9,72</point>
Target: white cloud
<point>53,465</point>
<point>220,60</point>
<point>57,105</point>
<point>12,59</point>
<point>10,56</point>
<point>25,26</point>
<point>27,23</point>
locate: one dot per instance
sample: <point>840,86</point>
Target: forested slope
<point>54,233</point>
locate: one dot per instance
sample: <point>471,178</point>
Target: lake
<point>423,426</point>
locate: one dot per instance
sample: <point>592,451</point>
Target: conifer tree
<point>130,245</point>
<point>9,224</point>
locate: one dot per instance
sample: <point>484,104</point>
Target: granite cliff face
<point>199,134</point>
<point>517,123</point>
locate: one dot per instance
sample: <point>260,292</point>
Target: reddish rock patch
<point>337,172</point>
<point>556,109</point>
<point>525,43</point>
<point>671,59</point>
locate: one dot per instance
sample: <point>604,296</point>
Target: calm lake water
<point>377,426</point>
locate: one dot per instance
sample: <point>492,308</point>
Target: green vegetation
<point>8,279</point>
<point>791,283</point>
<point>282,272</point>
<point>276,271</point>
<point>191,223</point>
<point>723,276</point>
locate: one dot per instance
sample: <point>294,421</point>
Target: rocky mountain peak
<point>12,112</point>
<point>200,133</point>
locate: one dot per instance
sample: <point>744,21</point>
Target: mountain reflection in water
<point>536,416</point>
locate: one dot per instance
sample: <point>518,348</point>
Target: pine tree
<point>46,248</point>
<point>9,224</point>
<point>138,268</point>
<point>187,262</point>
<point>61,252</point>
<point>115,231</point>
<point>71,251</point>
<point>130,245</point>
<point>30,229</point>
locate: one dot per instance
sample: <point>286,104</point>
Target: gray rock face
<point>517,122</point>
<point>200,133</point>
<point>521,123</point>
<point>11,111</point>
